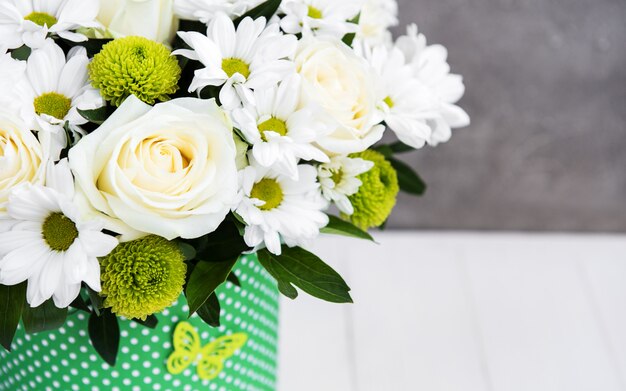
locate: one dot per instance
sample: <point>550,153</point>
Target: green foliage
<point>296,266</point>
<point>22,53</point>
<point>266,10</point>
<point>337,226</point>
<point>97,302</point>
<point>209,312</point>
<point>46,317</point>
<point>348,39</point>
<point>79,304</point>
<point>96,116</point>
<point>12,299</point>
<point>388,150</point>
<point>104,333</point>
<point>151,322</point>
<point>225,244</point>
<point>409,181</point>
<point>205,279</point>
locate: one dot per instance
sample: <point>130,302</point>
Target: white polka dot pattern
<point>66,360</point>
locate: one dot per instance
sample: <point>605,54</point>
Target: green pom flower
<point>376,198</point>
<point>135,66</point>
<point>142,277</point>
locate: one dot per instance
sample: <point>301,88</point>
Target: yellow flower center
<point>389,102</point>
<point>268,190</point>
<point>315,13</point>
<point>337,176</point>
<point>41,18</point>
<point>235,65</point>
<point>273,125</point>
<point>59,232</point>
<point>53,104</point>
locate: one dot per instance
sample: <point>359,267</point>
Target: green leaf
<point>46,317</point>
<point>266,10</point>
<point>232,277</point>
<point>79,304</point>
<point>104,333</point>
<point>192,25</point>
<point>210,311</point>
<point>337,226</point>
<point>400,147</point>
<point>222,245</point>
<point>189,252</point>
<point>385,150</point>
<point>388,150</point>
<point>97,302</point>
<point>12,299</point>
<point>151,322</point>
<point>409,181</point>
<point>93,45</point>
<point>348,39</point>
<point>97,116</point>
<point>22,53</point>
<point>204,280</point>
<point>306,271</point>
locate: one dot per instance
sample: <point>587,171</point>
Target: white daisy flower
<point>52,90</point>
<point>320,17</point>
<point>277,208</point>
<point>29,21</point>
<point>338,180</point>
<point>430,68</point>
<point>254,56</point>
<point>205,10</point>
<point>282,130</point>
<point>406,105</point>
<point>377,16</point>
<point>49,245</point>
<point>10,71</point>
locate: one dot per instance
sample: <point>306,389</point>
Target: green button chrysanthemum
<point>143,277</point>
<point>135,66</point>
<point>376,198</point>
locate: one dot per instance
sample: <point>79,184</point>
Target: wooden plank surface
<point>455,311</point>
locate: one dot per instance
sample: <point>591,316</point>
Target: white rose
<point>167,170</point>
<point>344,85</point>
<point>22,159</point>
<point>153,19</point>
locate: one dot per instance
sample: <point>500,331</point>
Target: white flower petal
<point>97,244</point>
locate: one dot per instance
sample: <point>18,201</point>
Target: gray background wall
<point>546,89</point>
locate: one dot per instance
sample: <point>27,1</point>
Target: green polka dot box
<point>150,359</point>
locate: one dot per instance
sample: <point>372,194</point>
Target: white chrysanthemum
<point>339,181</point>
<point>205,10</point>
<point>48,244</point>
<point>51,92</point>
<point>431,70</point>
<point>10,71</point>
<point>320,17</point>
<point>29,21</point>
<point>277,208</point>
<point>377,16</point>
<point>404,102</point>
<point>254,56</point>
<point>282,130</point>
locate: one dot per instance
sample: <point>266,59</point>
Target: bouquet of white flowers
<point>146,145</point>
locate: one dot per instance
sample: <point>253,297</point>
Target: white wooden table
<point>464,312</point>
